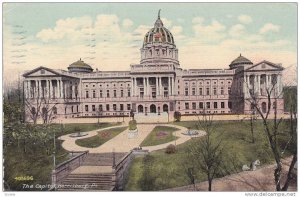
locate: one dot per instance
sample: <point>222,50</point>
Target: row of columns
<point>268,85</point>
<point>48,90</point>
<point>147,88</point>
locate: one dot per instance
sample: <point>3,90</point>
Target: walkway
<point>121,142</point>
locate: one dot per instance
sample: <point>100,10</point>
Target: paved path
<point>121,142</point>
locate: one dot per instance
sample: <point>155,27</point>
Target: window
<point>128,107</point>
<point>207,105</point>
<point>54,110</point>
<point>229,90</point>
<point>94,93</point>
<point>194,105</point>
<point>122,94</point>
<point>115,93</point>
<point>87,94</point>
<point>86,108</point>
<point>222,105</point>
<point>114,107</point>
<point>187,106</point>
<point>101,95</point>
<point>222,91</point>
<point>215,91</point>
<point>207,91</point>
<point>121,107</point>
<point>215,105</point>
<point>200,91</point>
<point>193,91</point>
<point>201,105</point>
<point>107,93</point>
<point>107,107</point>
<point>77,109</point>
<point>93,108</point>
<point>128,93</point>
<point>100,108</point>
<point>186,91</point>
<point>72,109</point>
<point>33,111</point>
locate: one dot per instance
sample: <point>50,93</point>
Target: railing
<point>63,169</point>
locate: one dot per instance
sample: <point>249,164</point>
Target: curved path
<point>121,142</point>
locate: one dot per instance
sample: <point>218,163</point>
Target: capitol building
<point>156,85</point>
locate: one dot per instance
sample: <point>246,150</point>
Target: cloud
<point>176,30</point>
<point>127,23</point>
<point>65,28</point>
<point>198,20</point>
<point>245,19</point>
<point>167,23</point>
<point>269,27</point>
<point>210,33</point>
<point>237,30</point>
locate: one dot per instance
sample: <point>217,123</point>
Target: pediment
<point>265,66</point>
<point>40,72</point>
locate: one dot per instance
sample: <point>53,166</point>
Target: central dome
<point>158,33</point>
<point>80,66</point>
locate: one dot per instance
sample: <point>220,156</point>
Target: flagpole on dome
<point>158,14</point>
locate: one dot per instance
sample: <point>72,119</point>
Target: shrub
<point>170,149</point>
<point>177,116</point>
<point>132,125</point>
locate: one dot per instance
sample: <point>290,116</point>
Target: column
<point>161,87</point>
<point>156,83</point>
<point>51,89</point>
<point>169,86</point>
<point>144,82</point>
<point>61,89</point>
<point>132,90</point>
<point>73,90</point>
<point>258,83</point>
<point>135,87</point>
<point>40,89</point>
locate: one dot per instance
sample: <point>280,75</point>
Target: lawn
<point>71,128</point>
<point>160,135</point>
<point>36,162</point>
<point>100,138</point>
<point>168,170</point>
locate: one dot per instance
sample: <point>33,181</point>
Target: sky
<point>108,36</point>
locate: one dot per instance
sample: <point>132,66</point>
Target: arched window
<point>165,108</point>
<point>140,109</point>
<point>54,110</point>
<point>264,107</point>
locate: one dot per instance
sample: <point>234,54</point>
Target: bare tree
<point>40,106</point>
<point>207,152</point>
<point>272,130</point>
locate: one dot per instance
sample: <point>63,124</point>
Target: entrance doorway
<point>152,108</point>
<point>165,108</point>
<point>140,109</point>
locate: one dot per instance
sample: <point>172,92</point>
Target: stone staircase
<point>102,159</point>
<point>84,182</point>
<point>95,173</point>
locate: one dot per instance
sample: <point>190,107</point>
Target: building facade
<point>157,84</point>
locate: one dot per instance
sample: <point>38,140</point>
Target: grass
<point>70,128</point>
<point>168,169</point>
<point>100,138</point>
<point>159,135</point>
<point>36,162</point>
